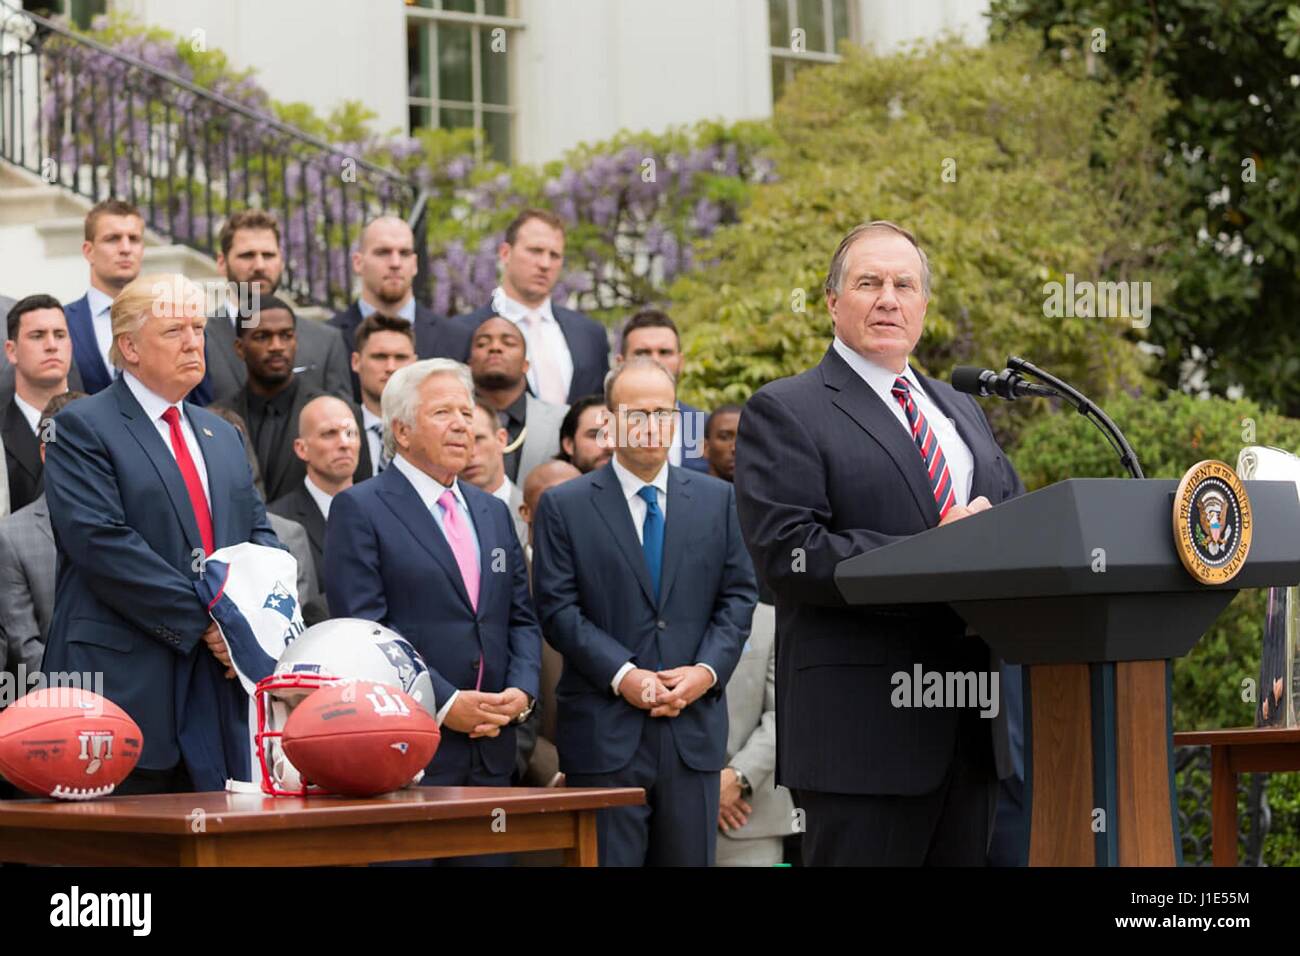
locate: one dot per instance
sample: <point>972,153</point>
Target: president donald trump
<point>141,486</point>
<point>854,454</point>
<point>439,561</point>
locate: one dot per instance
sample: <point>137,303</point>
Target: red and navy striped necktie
<point>927,443</point>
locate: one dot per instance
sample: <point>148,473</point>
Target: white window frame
<point>789,59</point>
<point>433,102</point>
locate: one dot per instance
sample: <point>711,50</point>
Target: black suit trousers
<point>949,826</point>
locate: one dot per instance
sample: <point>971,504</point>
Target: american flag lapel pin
<point>207,432</point>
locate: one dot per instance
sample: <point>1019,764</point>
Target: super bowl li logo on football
<point>96,747</point>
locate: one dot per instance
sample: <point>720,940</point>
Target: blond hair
<point>146,296</point>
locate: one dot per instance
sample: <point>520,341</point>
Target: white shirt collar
<point>508,308</point>
<point>879,378</point>
<point>369,418</point>
<point>153,404</point>
<point>632,485</point>
<point>318,495</point>
<point>426,486</point>
<point>407,311</point>
<point>506,491</point>
<point>30,412</point>
<point>98,301</point>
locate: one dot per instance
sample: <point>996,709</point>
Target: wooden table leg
<point>584,852</point>
<point>1223,806</point>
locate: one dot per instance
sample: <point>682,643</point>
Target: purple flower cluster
<point>632,214</point>
<point>632,209</point>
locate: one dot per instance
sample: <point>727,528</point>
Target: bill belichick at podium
<point>854,454</point>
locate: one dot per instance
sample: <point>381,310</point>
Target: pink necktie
<point>453,526</point>
<point>546,370</point>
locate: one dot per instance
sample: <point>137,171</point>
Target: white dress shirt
<point>505,492</point>
<point>631,487</point>
<point>375,441</point>
<point>101,319</point>
<point>430,490</point>
<point>548,336</point>
<point>154,405</point>
<point>322,498</point>
<point>30,412</point>
<point>961,464</point>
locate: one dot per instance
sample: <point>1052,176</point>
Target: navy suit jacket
<point>587,339</point>
<point>387,561</point>
<point>95,375</point>
<point>435,337</point>
<point>596,603</point>
<point>824,471</point>
<point>125,604</point>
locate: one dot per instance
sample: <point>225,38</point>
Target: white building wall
<point>582,70</point>
<point>886,25</point>
<point>589,68</point>
<point>319,52</point>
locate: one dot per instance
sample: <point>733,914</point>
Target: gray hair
<point>835,276</point>
<point>632,364</point>
<point>401,399</point>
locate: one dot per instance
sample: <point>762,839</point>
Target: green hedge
<point>1170,433</point>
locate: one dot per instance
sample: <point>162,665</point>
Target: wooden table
<point>1241,750</point>
<point>229,829</point>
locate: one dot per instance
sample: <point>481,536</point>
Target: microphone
<point>985,382</point>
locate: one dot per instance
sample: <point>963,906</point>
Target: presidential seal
<point>1211,522</point>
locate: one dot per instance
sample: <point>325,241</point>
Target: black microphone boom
<point>985,383</point>
<point>1010,384</point>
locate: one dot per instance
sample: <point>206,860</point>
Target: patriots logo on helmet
<point>281,600</point>
<point>402,655</point>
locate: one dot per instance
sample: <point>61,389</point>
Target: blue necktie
<point>652,535</point>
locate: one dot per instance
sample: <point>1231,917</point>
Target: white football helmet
<point>330,652</point>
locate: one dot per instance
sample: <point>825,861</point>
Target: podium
<point>1080,583</point>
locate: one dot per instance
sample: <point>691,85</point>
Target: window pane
<point>454,63</point>
<point>426,4</point>
<point>813,24</point>
<point>83,11</point>
<point>460,6</point>
<point>496,86</point>
<point>841,13</point>
<point>417,59</point>
<point>496,130</point>
<point>456,119</point>
<point>494,8</point>
<point>778,19</point>
<point>418,116</point>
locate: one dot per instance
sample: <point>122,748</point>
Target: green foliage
<point>1050,179</point>
<point>1234,158</point>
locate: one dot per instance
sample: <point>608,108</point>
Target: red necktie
<point>936,465</point>
<point>198,500</point>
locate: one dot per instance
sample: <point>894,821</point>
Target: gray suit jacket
<point>751,731</point>
<point>294,537</point>
<point>543,421</point>
<point>321,354</point>
<point>28,562</point>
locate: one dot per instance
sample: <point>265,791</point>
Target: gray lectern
<point>1097,644</point>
